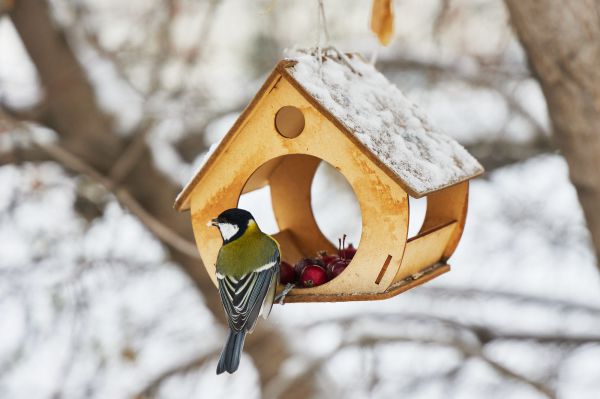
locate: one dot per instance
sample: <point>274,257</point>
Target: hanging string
<point>325,49</point>
<point>323,32</point>
<point>374,56</point>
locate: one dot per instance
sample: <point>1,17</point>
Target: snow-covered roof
<point>388,124</point>
<point>378,115</point>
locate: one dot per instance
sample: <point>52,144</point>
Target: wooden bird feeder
<point>337,108</point>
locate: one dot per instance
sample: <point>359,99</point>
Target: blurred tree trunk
<point>562,41</point>
<point>72,111</point>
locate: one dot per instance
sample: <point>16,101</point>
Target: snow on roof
<point>376,112</point>
<point>389,125</point>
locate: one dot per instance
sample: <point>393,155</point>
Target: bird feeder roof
<point>378,115</point>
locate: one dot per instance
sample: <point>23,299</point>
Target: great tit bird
<point>247,273</point>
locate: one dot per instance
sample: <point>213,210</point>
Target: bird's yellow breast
<point>249,252</point>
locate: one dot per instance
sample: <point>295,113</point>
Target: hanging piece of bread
<point>382,20</point>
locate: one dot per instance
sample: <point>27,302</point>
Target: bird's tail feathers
<point>230,357</point>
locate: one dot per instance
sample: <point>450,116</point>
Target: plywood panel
<point>424,250</point>
<point>444,206</point>
<point>291,185</point>
<point>397,288</point>
<point>290,252</point>
<point>260,177</point>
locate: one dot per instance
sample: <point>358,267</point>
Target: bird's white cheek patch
<point>228,230</point>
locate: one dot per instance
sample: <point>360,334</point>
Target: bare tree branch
<point>276,388</point>
<point>161,231</point>
<point>66,85</point>
<point>150,389</point>
<point>76,164</point>
<point>507,372</point>
<point>484,334</point>
<point>131,155</point>
<point>489,294</point>
<point>497,151</point>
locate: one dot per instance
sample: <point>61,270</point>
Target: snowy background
<point>94,307</point>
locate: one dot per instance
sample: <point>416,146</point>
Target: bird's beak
<point>213,222</point>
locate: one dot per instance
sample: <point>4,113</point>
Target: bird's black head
<point>232,223</point>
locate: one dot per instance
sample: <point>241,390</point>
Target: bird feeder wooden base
<point>404,285</point>
<point>279,141</point>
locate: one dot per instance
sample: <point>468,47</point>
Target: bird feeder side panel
<point>440,233</point>
<point>444,206</point>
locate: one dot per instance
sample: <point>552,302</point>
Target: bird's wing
<point>265,311</point>
<point>243,298</point>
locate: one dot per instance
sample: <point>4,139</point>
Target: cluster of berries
<point>311,272</point>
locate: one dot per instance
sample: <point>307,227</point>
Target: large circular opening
<point>308,206</point>
<point>335,206</point>
<point>258,203</point>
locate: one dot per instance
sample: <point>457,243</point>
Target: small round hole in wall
<point>289,121</point>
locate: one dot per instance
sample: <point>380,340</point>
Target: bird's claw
<point>279,298</point>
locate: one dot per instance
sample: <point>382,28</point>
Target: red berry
<point>313,275</point>
<point>302,263</point>
<point>287,274</point>
<point>336,268</point>
<point>327,259</point>
<point>350,251</point>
